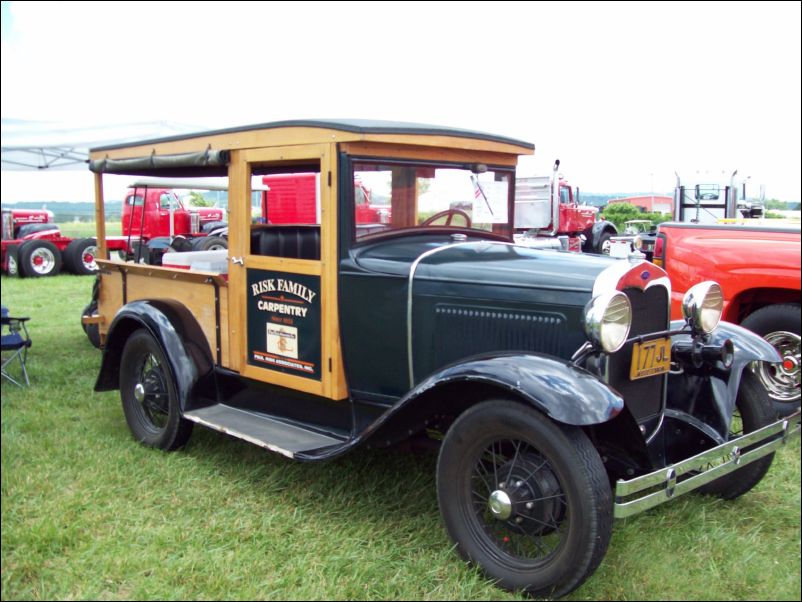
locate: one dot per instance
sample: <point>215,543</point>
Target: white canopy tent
<point>47,161</point>
<point>38,145</point>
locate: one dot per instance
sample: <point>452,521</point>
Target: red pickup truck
<point>758,268</point>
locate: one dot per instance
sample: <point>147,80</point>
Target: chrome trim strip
<point>412,269</point>
<point>710,465</point>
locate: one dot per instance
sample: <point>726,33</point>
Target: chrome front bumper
<point>650,490</point>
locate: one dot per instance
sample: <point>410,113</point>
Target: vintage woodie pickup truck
<point>559,391</point>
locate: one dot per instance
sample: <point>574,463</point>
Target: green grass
<point>88,229</point>
<point>87,513</point>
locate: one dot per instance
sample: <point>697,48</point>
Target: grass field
<point>87,513</point>
<point>87,229</point>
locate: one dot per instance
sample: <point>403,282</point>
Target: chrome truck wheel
<point>780,326</point>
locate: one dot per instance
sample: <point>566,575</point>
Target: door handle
<point>238,260</point>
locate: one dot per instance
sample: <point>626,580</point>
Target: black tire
<point>753,410</point>
<point>92,331</point>
<point>80,255</point>
<point>216,225</point>
<point>780,325</point>
<point>148,394</point>
<point>603,248</point>
<point>552,531</point>
<point>209,243</point>
<point>38,258</point>
<point>181,244</point>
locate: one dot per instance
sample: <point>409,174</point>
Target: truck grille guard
<point>647,491</point>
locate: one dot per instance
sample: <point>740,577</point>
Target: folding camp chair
<point>16,340</point>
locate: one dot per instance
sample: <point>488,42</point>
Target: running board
<point>264,431</point>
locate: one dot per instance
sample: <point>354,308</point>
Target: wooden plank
<point>110,298</point>
<point>425,153</point>
<point>157,271</point>
<point>282,379</point>
<point>336,386</point>
<point>239,223</point>
<point>196,297</point>
<point>100,216</point>
<point>285,264</point>
<point>232,141</point>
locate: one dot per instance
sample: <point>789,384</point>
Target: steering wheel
<point>449,214</point>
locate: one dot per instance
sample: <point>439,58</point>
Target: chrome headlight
<point>637,243</point>
<point>607,320</point>
<point>702,306</point>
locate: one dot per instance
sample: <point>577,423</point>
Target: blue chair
<point>16,340</point>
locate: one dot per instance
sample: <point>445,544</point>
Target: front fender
<point>721,385</point>
<point>598,229</point>
<point>176,331</point>
<point>561,390</point>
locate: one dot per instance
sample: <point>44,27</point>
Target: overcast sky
<point>622,93</point>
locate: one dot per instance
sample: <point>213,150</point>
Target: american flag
<point>478,193</point>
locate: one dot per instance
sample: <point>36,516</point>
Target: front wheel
<point>526,499</point>
<point>148,394</point>
<point>603,248</point>
<point>753,410</point>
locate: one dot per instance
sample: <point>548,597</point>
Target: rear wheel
<point>526,499</point>
<point>753,410</point>
<point>79,256</point>
<point>39,258</point>
<point>148,394</point>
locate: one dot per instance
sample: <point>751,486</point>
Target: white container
<point>206,261</point>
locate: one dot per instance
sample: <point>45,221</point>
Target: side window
<point>286,222</point>
<point>165,200</point>
<point>134,200</point>
<point>564,196</point>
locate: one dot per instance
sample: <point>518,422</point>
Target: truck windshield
<point>414,195</point>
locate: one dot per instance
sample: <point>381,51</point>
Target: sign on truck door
<point>288,330</point>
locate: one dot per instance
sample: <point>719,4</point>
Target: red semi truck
<point>547,209</point>
<point>32,245</point>
<point>153,219</point>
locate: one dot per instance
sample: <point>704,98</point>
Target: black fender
<point>563,391</point>
<point>181,339</point>
<point>594,233</point>
<point>689,386</point>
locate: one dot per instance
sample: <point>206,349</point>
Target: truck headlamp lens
<point>702,306</point>
<point>607,320</point>
<point>638,243</point>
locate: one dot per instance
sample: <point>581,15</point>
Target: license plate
<point>650,358</point>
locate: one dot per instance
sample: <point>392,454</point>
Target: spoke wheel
<point>149,396</point>
<point>519,502</point>
<point>524,498</point>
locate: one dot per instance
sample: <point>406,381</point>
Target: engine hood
<point>507,266</point>
<point>483,297</point>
